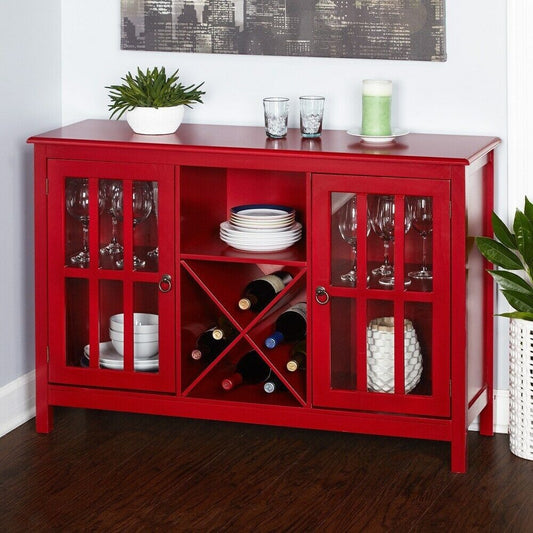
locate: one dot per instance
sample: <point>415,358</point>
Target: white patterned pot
<point>155,121</point>
<point>380,355</point>
<point>521,388</point>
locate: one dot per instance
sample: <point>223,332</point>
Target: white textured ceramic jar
<point>155,121</point>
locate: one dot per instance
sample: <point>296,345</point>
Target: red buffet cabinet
<point>396,353</point>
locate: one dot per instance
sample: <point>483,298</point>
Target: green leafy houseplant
<point>151,89</point>
<point>513,251</point>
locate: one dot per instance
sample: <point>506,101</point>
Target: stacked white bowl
<point>145,334</point>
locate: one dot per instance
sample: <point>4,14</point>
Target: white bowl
<point>143,323</point>
<point>141,350</point>
<point>137,337</point>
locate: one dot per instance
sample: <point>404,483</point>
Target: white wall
<point>30,101</point>
<point>466,94</point>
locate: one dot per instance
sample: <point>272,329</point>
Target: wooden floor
<point>110,472</point>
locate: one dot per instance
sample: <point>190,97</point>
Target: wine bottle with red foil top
<point>251,369</point>
<point>261,291</point>
<point>297,357</point>
<point>290,326</point>
<point>273,384</point>
<point>208,348</point>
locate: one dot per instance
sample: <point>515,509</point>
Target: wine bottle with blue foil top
<point>290,326</point>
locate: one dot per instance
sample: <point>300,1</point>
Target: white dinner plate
<point>110,358</point>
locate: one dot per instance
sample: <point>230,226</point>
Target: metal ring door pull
<point>321,295</point>
<point>165,283</point>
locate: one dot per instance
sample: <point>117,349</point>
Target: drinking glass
<point>276,109</point>
<point>348,231</point>
<point>108,190</point>
<point>383,224</point>
<point>141,209</point>
<point>421,208</point>
<point>154,254</point>
<point>77,204</point>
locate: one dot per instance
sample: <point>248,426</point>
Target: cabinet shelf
<point>389,361</point>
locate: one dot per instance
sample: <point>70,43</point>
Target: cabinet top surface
<point>461,149</point>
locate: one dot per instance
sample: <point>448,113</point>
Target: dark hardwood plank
<point>105,471</point>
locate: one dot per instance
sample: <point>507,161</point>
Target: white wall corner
<point>17,402</point>
<point>501,413</point>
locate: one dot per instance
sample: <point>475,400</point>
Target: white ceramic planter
<point>521,387</point>
<point>155,121</point>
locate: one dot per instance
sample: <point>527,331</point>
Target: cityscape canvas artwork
<point>373,29</point>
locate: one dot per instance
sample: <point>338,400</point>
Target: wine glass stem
<point>354,260</point>
<point>114,224</point>
<point>85,226</point>
<point>386,247</point>
<point>424,254</point>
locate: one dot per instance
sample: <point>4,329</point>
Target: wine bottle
<point>250,369</point>
<point>273,384</point>
<point>208,348</point>
<point>291,325</point>
<point>224,330</point>
<point>261,291</point>
<point>297,357</point>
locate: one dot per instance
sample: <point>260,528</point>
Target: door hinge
<point>450,388</point>
<point>46,186</point>
<point>47,355</point>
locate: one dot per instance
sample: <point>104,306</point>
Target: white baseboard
<point>17,402</point>
<point>501,413</point>
<point>17,405</point>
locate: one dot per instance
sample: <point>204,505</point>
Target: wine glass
<point>154,254</point>
<point>141,209</point>
<point>108,190</point>
<point>77,204</point>
<point>383,225</point>
<point>348,231</point>
<point>421,208</point>
<point>382,222</point>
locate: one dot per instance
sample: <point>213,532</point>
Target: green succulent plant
<point>513,251</point>
<point>151,89</point>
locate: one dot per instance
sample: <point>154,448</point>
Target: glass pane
<point>419,243</point>
<point>343,343</point>
<point>383,212</point>
<point>77,222</point>
<point>343,238</point>
<point>111,231</point>
<point>142,206</point>
<point>146,326</point>
<point>77,321</point>
<point>419,368</point>
<point>380,346</point>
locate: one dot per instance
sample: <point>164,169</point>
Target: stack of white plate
<point>110,358</point>
<point>261,228</point>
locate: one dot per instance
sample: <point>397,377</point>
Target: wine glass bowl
<point>421,208</point>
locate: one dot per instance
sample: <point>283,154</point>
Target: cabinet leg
<point>486,419</point>
<point>459,453</point>
<point>44,418</point>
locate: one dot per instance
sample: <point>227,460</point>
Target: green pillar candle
<point>377,96</point>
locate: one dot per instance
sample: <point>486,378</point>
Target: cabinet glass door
<point>111,272</point>
<point>382,284</point>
